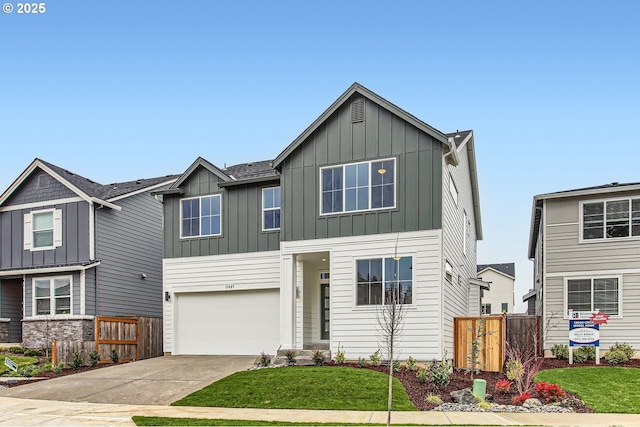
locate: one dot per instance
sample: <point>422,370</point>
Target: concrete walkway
<point>157,381</point>
<point>29,412</point>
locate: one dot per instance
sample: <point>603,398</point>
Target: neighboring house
<point>498,298</point>
<point>585,245</point>
<point>300,252</point>
<point>72,249</point>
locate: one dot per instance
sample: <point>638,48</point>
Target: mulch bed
<point>50,374</point>
<point>418,391</point>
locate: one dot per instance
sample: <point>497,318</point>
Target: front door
<point>324,311</point>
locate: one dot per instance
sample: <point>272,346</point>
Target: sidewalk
<point>29,412</point>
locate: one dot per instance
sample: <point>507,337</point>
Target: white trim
<point>92,232</point>
<point>58,317</point>
<point>588,192</point>
<point>101,202</point>
<point>453,190</point>
<point>615,272</point>
<point>565,301</point>
<point>497,271</point>
<point>52,297</point>
<point>344,191</point>
<point>279,208</point>
<point>83,286</point>
<point>32,271</point>
<point>142,190</point>
<point>219,195</point>
<point>604,237</point>
<point>563,224</point>
<point>40,204</point>
<point>56,229</point>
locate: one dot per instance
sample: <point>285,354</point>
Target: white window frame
<point>383,280</point>
<point>52,297</point>
<point>28,241</point>
<point>369,185</point>
<point>200,235</point>
<point>264,210</point>
<point>605,238</point>
<point>453,190</point>
<point>591,278</point>
<point>448,271</point>
<point>483,309</point>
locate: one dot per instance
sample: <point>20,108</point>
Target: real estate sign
<point>584,332</point>
<point>11,364</point>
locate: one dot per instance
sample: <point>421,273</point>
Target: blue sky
<point>119,90</point>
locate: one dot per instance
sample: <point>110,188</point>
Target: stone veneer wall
<point>40,333</point>
<point>4,330</point>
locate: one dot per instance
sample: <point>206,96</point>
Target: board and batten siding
<point>230,272</point>
<point>75,237</point>
<point>337,141</point>
<point>11,307</point>
<point>566,257</point>
<point>459,297</point>
<point>129,244</point>
<point>355,328</point>
<point>241,219</point>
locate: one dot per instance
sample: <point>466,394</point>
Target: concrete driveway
<point>157,381</point>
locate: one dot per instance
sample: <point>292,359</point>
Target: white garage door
<point>231,322</point>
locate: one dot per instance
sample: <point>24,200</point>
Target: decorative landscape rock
<point>532,403</point>
<point>464,396</point>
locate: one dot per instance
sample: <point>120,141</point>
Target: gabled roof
<point>538,201</point>
<point>358,88</point>
<point>205,164</point>
<point>508,269</point>
<point>251,170</point>
<point>85,188</point>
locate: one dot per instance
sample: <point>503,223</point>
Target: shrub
<point>340,358</point>
<point>291,357</point>
<point>521,398</point>
<point>515,369</point>
<point>77,362</point>
<point>560,351</point>
<point>503,386</point>
<point>552,392</point>
<point>615,357</point>
<point>396,366</point>
<point>362,362</point>
<point>114,356</point>
<point>16,350</point>
<point>582,354</point>
<point>265,360</point>
<point>94,358</point>
<point>521,368</point>
<point>33,353</point>
<point>434,399</point>
<point>26,371</point>
<point>422,375</point>
<point>626,348</point>
<point>375,358</point>
<point>57,369</point>
<point>412,364</point>
<point>318,358</point>
<point>439,371</point>
<point>483,404</point>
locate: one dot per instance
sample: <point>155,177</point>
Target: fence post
<point>54,353</point>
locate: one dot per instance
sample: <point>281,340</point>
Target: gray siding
<point>28,291</point>
<point>11,307</point>
<point>39,187</point>
<point>381,135</point>
<point>75,238</point>
<point>128,243</point>
<point>90,292</point>
<point>241,220</point>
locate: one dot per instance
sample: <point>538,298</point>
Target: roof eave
<point>207,165</point>
<point>141,190</point>
<point>271,178</point>
<point>475,190</point>
<point>497,271</point>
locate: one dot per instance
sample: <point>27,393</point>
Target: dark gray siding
<point>90,292</point>
<point>39,187</point>
<point>128,243</point>
<point>11,307</point>
<point>75,238</point>
<point>28,291</point>
<point>241,220</point>
<point>381,135</point>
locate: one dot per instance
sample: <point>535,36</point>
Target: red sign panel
<point>600,318</point>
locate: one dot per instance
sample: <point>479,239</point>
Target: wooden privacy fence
<point>133,338</point>
<point>524,334</point>
<point>491,344</point>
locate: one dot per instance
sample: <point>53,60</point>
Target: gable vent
<point>357,111</point>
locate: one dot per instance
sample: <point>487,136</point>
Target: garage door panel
<point>231,323</point>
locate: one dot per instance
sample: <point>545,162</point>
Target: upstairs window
<point>394,273</point>
<point>271,208</point>
<point>52,296</point>
<point>43,229</point>
<point>611,219</point>
<point>453,190</point>
<point>358,187</point>
<point>201,216</point>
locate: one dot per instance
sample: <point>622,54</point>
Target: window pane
<point>406,293</point>
<point>363,294</point>
<point>405,268</point>
<point>387,196</point>
<point>63,305</point>
<point>62,287</point>
<point>593,220</point>
<point>267,198</point>
<point>43,306</point>
<point>327,199</point>
<point>635,217</point>
<point>276,219</point>
<point>269,220</point>
<point>350,202</point>
<point>618,218</point>
<point>43,221</point>
<point>206,206</point>
<point>336,203</point>
<point>376,293</point>
<point>376,197</point>
<point>42,288</point>
<point>605,295</point>
<point>215,205</point>
<point>206,226</point>
<point>336,178</point>
<point>350,173</point>
<point>579,295</point>
<point>276,197</point>
<point>43,239</point>
<point>215,225</point>
<point>363,198</point>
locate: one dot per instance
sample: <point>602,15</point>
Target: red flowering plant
<point>552,392</point>
<point>503,386</point>
<point>520,399</point>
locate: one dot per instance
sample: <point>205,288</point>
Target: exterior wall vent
<point>357,111</point>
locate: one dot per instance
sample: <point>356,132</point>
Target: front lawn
<point>303,388</point>
<point>167,421</point>
<point>605,389</point>
<point>21,361</point>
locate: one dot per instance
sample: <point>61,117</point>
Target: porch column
<point>287,301</point>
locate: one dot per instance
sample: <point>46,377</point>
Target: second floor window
<point>271,208</point>
<point>358,187</point>
<point>611,219</point>
<point>201,216</point>
<point>43,229</point>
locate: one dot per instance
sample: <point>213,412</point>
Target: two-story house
<point>499,297</point>
<point>585,245</point>
<point>71,249</point>
<point>302,251</point>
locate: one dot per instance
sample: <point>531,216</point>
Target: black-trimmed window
<point>393,273</point>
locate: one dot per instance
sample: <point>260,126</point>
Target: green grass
<point>303,388</point>
<point>20,360</point>
<point>166,421</point>
<point>605,389</point>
